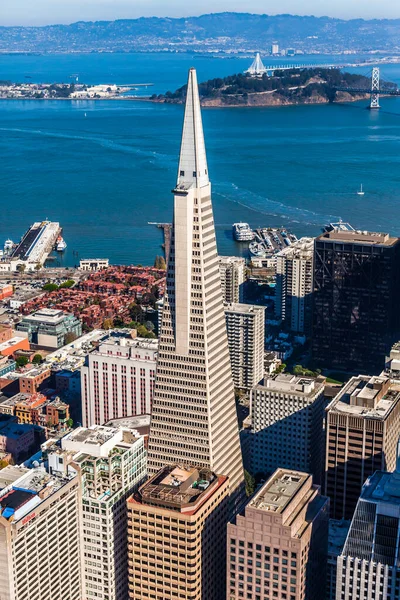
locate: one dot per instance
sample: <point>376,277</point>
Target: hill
<point>307,86</point>
<point>212,32</point>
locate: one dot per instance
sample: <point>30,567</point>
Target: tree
<point>159,263</point>
<point>149,325</point>
<point>50,287</point>
<point>37,359</point>
<point>136,313</point>
<point>38,267</point>
<point>21,268</point>
<point>107,324</point>
<point>70,423</point>
<point>21,361</point>
<point>70,337</point>
<point>250,483</point>
<point>67,284</point>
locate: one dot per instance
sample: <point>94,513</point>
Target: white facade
<point>287,424</point>
<point>93,264</point>
<point>232,271</point>
<point>118,379</point>
<point>111,464</point>
<point>294,285</point>
<point>40,543</point>
<point>246,335</point>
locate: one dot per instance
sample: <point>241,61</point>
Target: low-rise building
<point>17,342</point>
<point>177,535</point>
<point>118,379</point>
<point>16,439</point>
<point>277,547</point>
<point>49,327</point>
<point>34,380</point>
<point>245,325</point>
<point>93,264</point>
<point>37,409</point>
<point>362,428</point>
<point>287,414</point>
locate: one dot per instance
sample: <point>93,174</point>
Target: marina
<point>269,241</point>
<point>33,250</point>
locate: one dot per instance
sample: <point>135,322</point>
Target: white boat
<point>360,191</point>
<point>257,249</point>
<point>8,245</point>
<point>242,232</point>
<point>60,244</point>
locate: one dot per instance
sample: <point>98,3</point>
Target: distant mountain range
<point>229,32</point>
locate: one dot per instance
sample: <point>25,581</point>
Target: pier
<point>166,227</point>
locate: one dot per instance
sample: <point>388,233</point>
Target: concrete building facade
<point>362,428</point>
<point>177,536</point>
<point>277,547</point>
<point>194,417</point>
<point>111,464</point>
<point>287,414</point>
<point>40,543</point>
<point>233,275</point>
<point>245,325</point>
<point>118,379</point>
<point>294,285</point>
<point>48,327</point>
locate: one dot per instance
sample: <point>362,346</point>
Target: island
<point>65,91</point>
<point>284,87</point>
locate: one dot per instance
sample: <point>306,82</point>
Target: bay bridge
<point>258,69</point>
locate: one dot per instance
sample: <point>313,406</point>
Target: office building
<point>338,531</point>
<point>40,544</point>
<point>392,362</point>
<point>362,428</point>
<point>194,415</point>
<point>287,413</point>
<point>48,327</point>
<point>177,536</point>
<point>118,379</point>
<point>294,286</point>
<point>368,568</point>
<point>233,275</point>
<point>355,308</point>
<point>111,464</point>
<point>275,49</point>
<point>277,547</point>
<point>245,325</point>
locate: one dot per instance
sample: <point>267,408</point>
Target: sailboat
<point>360,191</point>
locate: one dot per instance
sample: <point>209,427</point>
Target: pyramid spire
<point>193,161</point>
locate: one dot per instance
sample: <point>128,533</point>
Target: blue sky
<point>41,12</point>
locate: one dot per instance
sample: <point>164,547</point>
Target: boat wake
<point>274,208</point>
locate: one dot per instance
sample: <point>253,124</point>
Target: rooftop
<point>231,259</point>
<point>244,308</point>
<point>10,475</point>
<point>359,237</point>
<point>46,315</point>
<point>279,490</point>
<point>179,488</point>
<point>17,339</point>
<point>286,382</point>
<point>367,397</point>
<point>338,530</point>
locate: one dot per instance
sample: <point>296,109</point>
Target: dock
<point>167,228</point>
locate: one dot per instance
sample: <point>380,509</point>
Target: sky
<point>45,12</point>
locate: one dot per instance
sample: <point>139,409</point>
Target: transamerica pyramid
<point>194,418</point>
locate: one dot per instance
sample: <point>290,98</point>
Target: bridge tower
<point>257,67</point>
<point>375,89</point>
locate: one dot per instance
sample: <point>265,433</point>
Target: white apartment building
<point>245,325</point>
<point>111,464</point>
<point>40,544</point>
<point>294,285</point>
<point>287,414</point>
<point>118,379</point>
<point>233,275</point>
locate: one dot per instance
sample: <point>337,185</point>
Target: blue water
<point>105,176</point>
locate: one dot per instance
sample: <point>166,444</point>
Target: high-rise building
<point>118,379</point>
<point>274,48</point>
<point>232,270</point>
<point>355,301</point>
<point>362,428</point>
<point>194,415</point>
<point>294,285</point>
<point>338,531</point>
<point>111,464</point>
<point>40,543</point>
<point>368,568</point>
<point>177,536</point>
<point>277,548</point>
<point>245,325</point>
<point>287,414</point>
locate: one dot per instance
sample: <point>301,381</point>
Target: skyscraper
<point>355,301</point>
<point>368,567</point>
<point>194,418</point>
<point>232,270</point>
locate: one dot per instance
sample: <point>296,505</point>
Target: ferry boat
<point>257,249</point>
<point>60,244</point>
<point>242,232</point>
<point>8,245</point>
